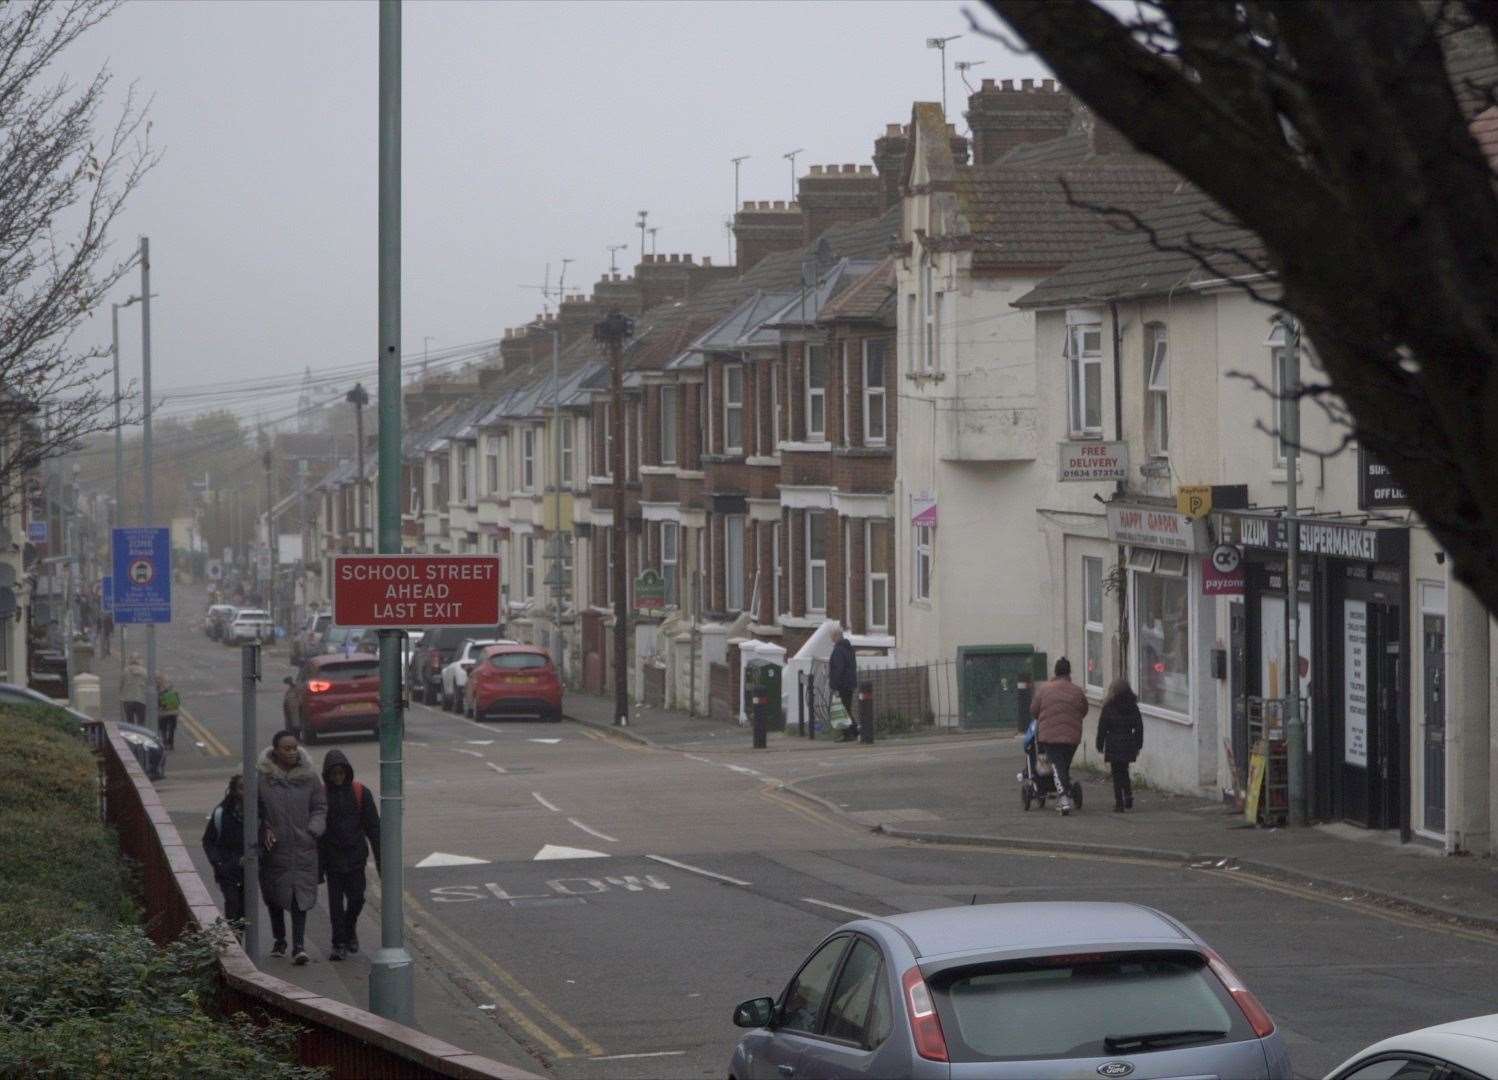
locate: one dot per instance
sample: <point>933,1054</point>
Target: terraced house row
<point>875,417</point>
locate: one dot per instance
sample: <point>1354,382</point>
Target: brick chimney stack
<point>616,291</point>
<point>1003,116</point>
<point>763,228</point>
<point>889,160</point>
<point>837,195</point>
<point>578,314</point>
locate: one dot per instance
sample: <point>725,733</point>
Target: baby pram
<point>1037,782</point>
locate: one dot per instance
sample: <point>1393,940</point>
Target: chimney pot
<point>780,204</point>
<point>1008,84</point>
<point>816,170</point>
<point>675,258</point>
<point>707,260</point>
<point>749,205</point>
<point>686,257</point>
<point>764,205</point>
<point>893,130</point>
<point>1029,84</point>
<point>850,168</point>
<point>616,277</point>
<point>864,170</point>
<point>988,84</point>
<point>1048,85</point>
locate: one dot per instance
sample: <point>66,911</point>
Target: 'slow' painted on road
<point>573,887</point>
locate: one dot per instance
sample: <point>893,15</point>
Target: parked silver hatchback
<point>1024,991</point>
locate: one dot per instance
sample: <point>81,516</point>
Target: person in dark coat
<point>842,676</point>
<point>343,849</point>
<point>223,843</point>
<point>1120,737</point>
<point>295,813</point>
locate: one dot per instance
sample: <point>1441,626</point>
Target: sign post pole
<point>249,672</point>
<point>391,977</point>
<point>1295,726</point>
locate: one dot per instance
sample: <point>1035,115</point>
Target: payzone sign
<point>397,591</point>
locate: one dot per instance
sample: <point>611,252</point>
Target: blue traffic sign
<point>106,593</point>
<point>142,575</point>
<point>36,532</point>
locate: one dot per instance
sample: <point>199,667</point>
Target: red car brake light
<point>318,686</point>
<point>1257,1016</point>
<point>925,1025</point>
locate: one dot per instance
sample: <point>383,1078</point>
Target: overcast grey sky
<point>532,131</point>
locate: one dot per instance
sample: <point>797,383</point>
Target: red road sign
<point>416,590</point>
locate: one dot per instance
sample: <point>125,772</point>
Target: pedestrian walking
<point>134,687</point>
<point>295,810</point>
<point>1120,737</point>
<point>223,843</point>
<point>1059,707</point>
<point>168,704</point>
<point>842,677</point>
<point>353,828</point>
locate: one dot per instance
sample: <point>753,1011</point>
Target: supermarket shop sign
<point>416,590</point>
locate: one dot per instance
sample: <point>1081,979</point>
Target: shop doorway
<point>1433,694</point>
<point>1371,706</point>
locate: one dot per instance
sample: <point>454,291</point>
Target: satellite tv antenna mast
<point>791,157</point>
<point>940,44</point>
<point>613,250</point>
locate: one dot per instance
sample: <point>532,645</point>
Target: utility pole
<point>940,44</point>
<point>391,975</point>
<point>270,531</point>
<point>359,397</point>
<point>733,248</point>
<point>611,332</point>
<point>1295,728</point>
<point>119,442</point>
<point>556,468</point>
<point>148,510</point>
<point>791,157</point>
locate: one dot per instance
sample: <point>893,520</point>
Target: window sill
<point>921,604</point>
<point>658,470</point>
<point>925,376</point>
<point>822,447</point>
<point>1155,712</point>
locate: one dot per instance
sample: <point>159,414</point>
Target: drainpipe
<point>1120,488</point>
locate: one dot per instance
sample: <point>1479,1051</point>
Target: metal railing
<point>347,1041</point>
<point>907,697</point>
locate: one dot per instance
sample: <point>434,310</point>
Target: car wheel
<point>554,716</point>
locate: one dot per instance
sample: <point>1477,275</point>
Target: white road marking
<point>557,851</point>
<point>442,858</point>
<point>744,769</point>
<point>593,832</point>
<point>547,742</point>
<point>497,768</point>
<point>698,870</point>
<point>542,800</point>
<point>839,907</point>
<point>479,742</point>
<point>470,753</point>
<point>625,1057</point>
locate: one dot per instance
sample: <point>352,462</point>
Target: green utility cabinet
<point>764,675</point>
<point>995,684</point>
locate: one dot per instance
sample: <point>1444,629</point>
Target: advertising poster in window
<point>1355,683</point>
<point>1272,653</point>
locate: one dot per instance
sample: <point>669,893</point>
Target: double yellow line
<point>215,747</point>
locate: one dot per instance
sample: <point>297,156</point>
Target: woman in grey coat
<point>294,812</point>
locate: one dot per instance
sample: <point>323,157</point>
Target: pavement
<point>966,792</point>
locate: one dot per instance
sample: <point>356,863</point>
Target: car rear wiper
<point>1147,1039</point>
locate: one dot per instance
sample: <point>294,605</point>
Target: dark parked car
<point>143,742</point>
<point>439,647</point>
<point>1039,991</point>
<point>333,694</point>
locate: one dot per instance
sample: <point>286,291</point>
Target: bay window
<point>816,393</point>
<point>528,459</point>
<point>873,392</point>
<point>1162,629</point>
<point>879,555</point>
<point>670,540</point>
<point>733,562</point>
<point>816,561</point>
<point>733,409</point>
<point>668,425</point>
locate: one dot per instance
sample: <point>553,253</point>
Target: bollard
<point>760,718</point>
<point>85,694</point>
<point>866,712</point>
<point>801,703</point>
<point>811,708</point>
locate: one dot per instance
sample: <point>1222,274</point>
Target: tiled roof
<point>1028,217</point>
<point>870,297</point>
<point>808,302</point>
<point>1127,263</point>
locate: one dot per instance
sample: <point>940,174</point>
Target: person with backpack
<point>343,850</point>
<point>1120,737</point>
<point>223,843</point>
<point>168,704</point>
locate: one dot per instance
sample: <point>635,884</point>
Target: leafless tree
<point>1352,140</point>
<point>63,181</point>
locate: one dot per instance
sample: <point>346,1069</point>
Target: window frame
<point>1136,642</point>
<point>923,561</point>
<point>876,580</point>
<point>1092,623</point>
<point>815,394</point>
<point>733,583</point>
<point>881,968</point>
<point>733,409</point>
<point>775,544</point>
<point>1079,360</point>
<point>881,392</point>
<point>668,442</point>
<point>669,564</point>
<point>491,468</point>
<point>1157,389</point>
<point>1279,358</point>
<point>814,564</point>
<point>528,458</point>
<point>842,942</point>
<point>566,439</point>
<point>527,565</point>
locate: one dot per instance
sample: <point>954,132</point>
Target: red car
<point>515,680</point>
<point>333,693</point>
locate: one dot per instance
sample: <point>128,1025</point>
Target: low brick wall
<point>655,686</point>
<point>347,1041</point>
<point>720,693</point>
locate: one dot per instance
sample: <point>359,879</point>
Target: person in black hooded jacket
<point>223,843</point>
<point>1120,736</point>
<point>353,828</point>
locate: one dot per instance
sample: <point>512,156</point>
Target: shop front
<point>1171,625</point>
<point>1353,662</point>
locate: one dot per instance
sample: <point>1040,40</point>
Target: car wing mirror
<point>754,1013</point>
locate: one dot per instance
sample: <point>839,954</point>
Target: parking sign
<point>142,575</point>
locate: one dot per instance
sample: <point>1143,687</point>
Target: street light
<point>119,436</point>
